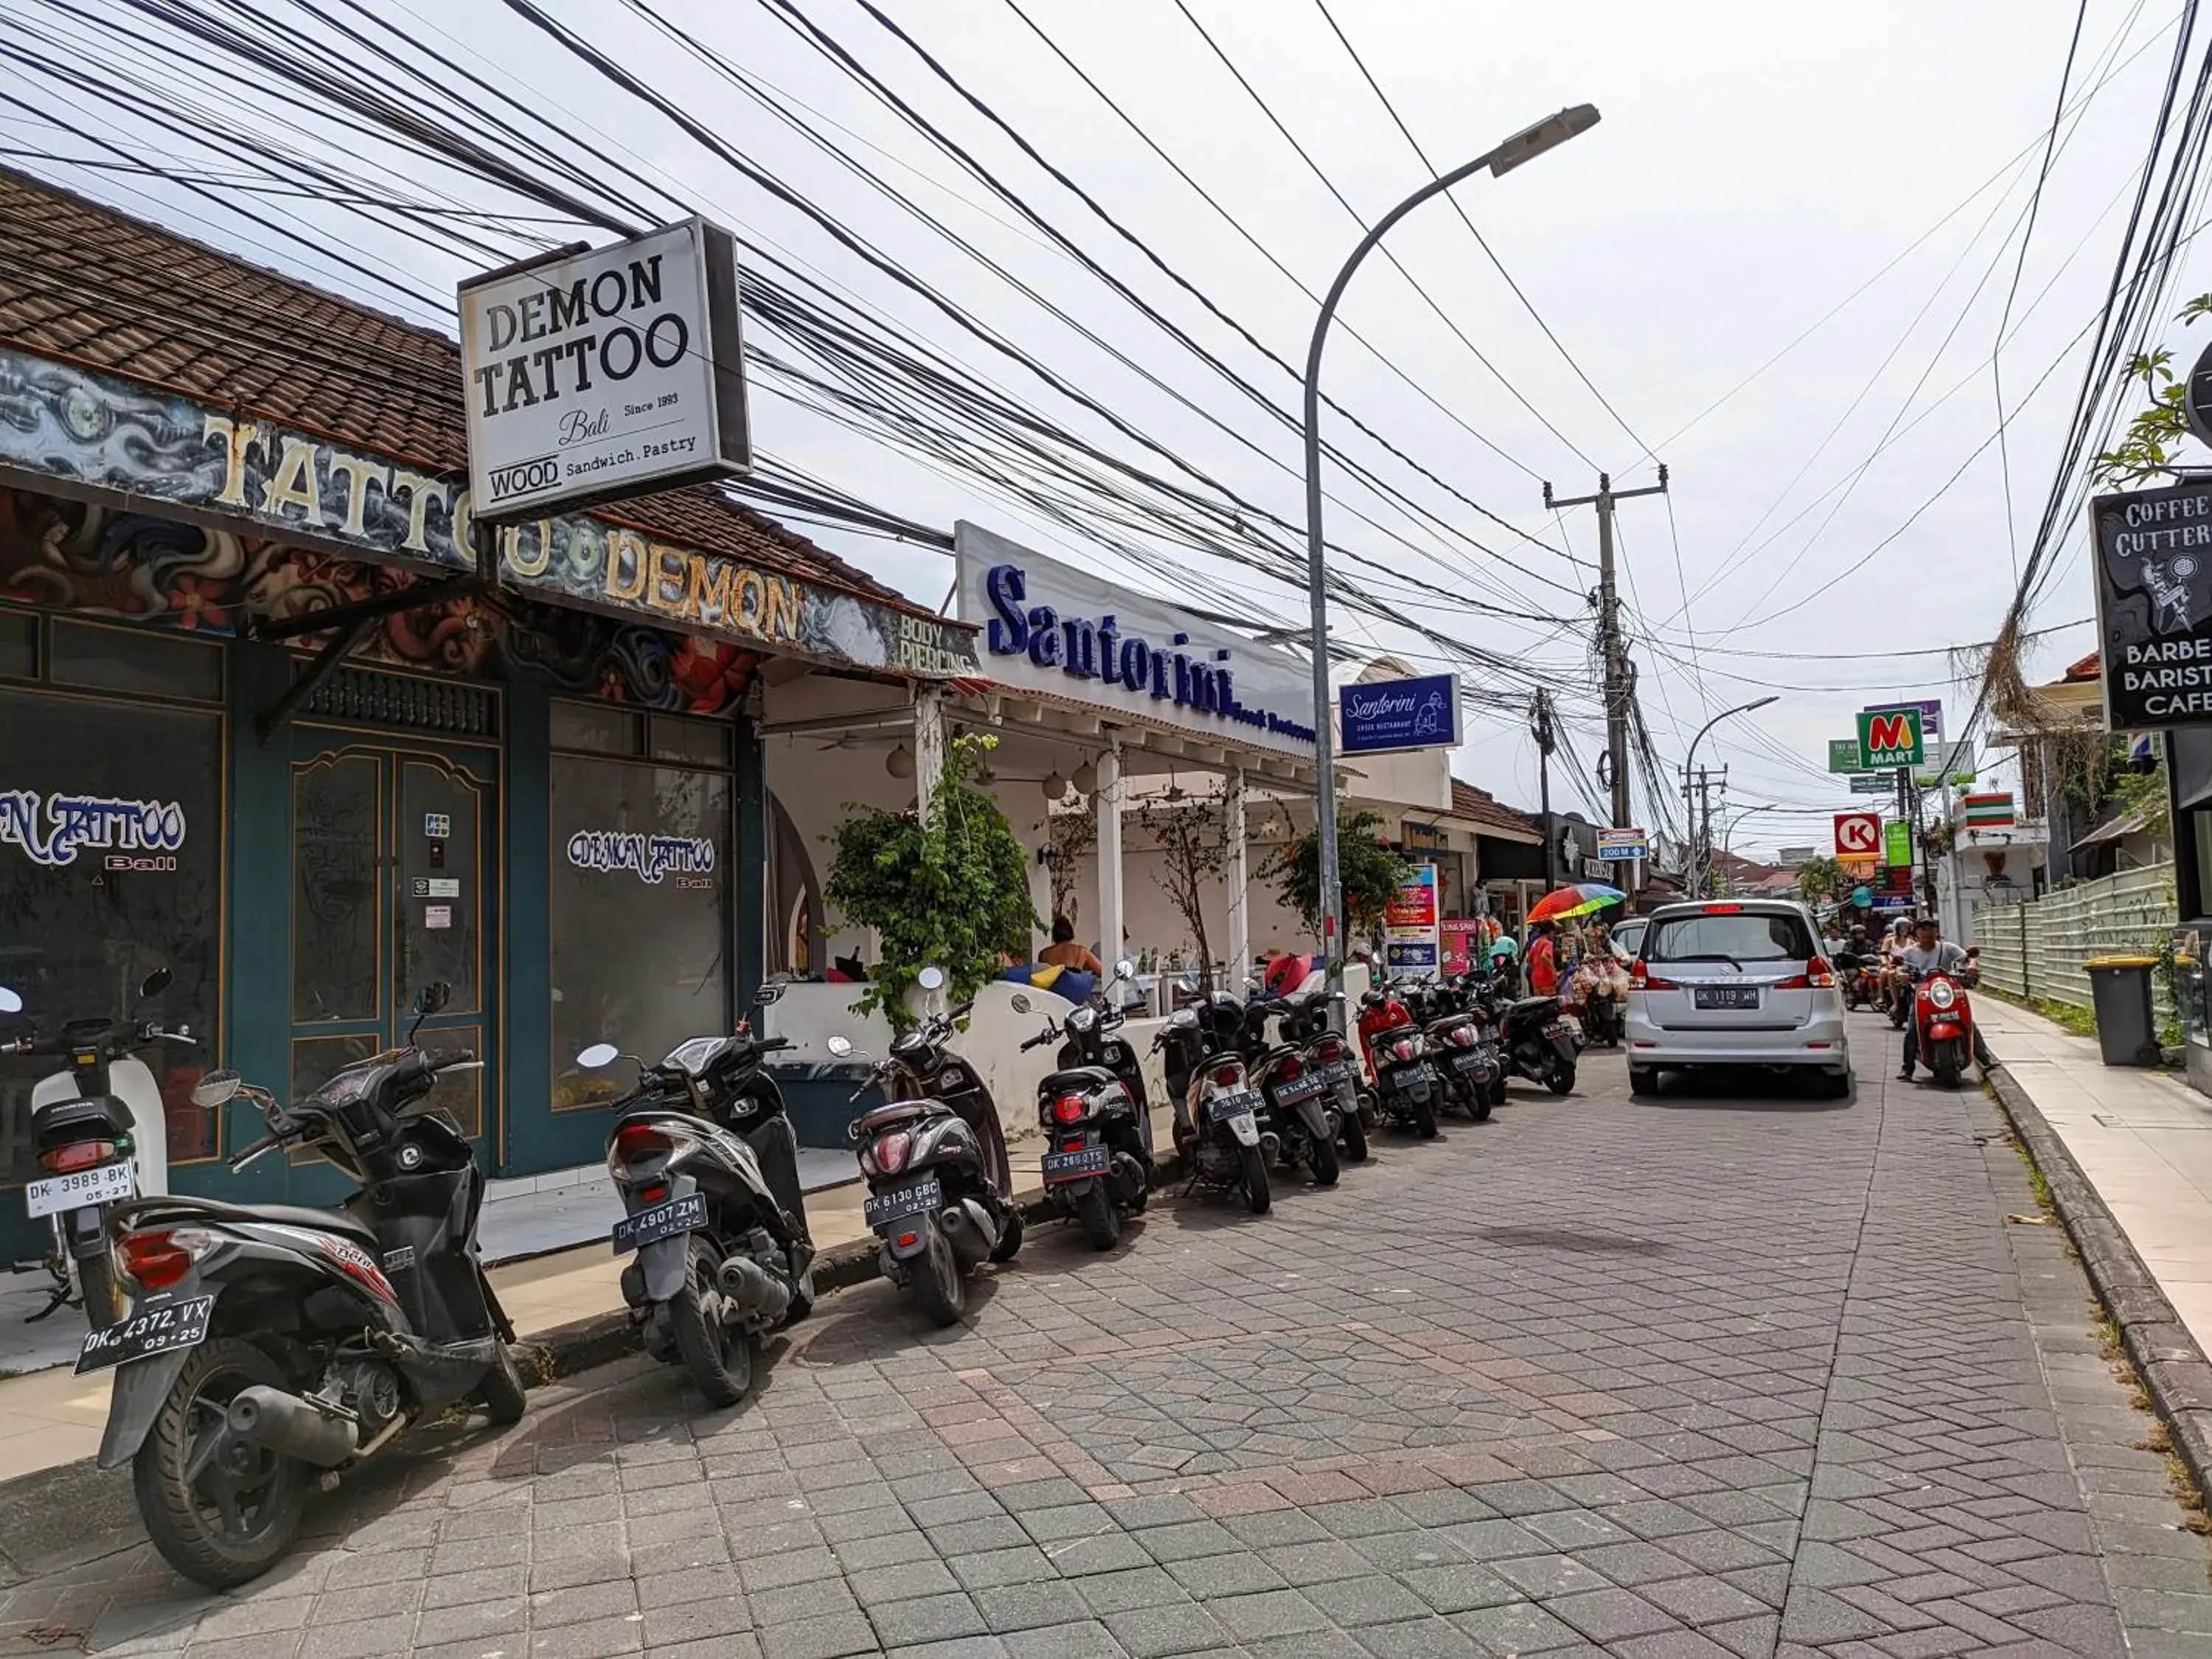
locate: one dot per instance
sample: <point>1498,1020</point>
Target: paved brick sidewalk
<point>1694,1377</point>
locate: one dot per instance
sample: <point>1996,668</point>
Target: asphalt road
<point>1719,1373</point>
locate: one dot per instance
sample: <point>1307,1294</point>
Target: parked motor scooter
<point>1327,1058</point>
<point>707,1164</point>
<point>1301,1109</point>
<point>1537,1041</point>
<point>1406,1082</point>
<point>940,1191</point>
<point>1097,1165</point>
<point>98,1128</point>
<point>1944,1020</point>
<point>1467,1061</point>
<point>1216,1111</point>
<point>270,1346</point>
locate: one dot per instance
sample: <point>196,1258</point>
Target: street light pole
<point>1523,147</point>
<point>1696,874</point>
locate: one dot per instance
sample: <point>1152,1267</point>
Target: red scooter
<point>1944,1019</point>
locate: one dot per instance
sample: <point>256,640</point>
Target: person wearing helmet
<point>1930,952</point>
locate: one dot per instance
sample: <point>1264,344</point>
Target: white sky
<point>1755,166</point>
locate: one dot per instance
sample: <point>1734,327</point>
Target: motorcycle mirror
<point>766,994</point>
<point>599,1055</point>
<point>1124,968</point>
<point>931,978</point>
<point>155,983</point>
<point>840,1046</point>
<point>433,997</point>
<point>1021,1003</point>
<point>214,1088</point>
<point>11,1000</point>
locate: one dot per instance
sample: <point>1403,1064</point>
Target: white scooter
<point>100,1136</point>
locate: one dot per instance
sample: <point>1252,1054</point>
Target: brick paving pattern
<point>1662,1379</point>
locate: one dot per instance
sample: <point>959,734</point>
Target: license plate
<point>914,1199</point>
<point>1472,1060</point>
<point>1306,1088</point>
<point>152,1331</point>
<point>1557,1028</point>
<point>1405,1077</point>
<point>1724,996</point>
<point>1335,1072</point>
<point>1078,1165</point>
<point>678,1215</point>
<point>1222,1107</point>
<point>107,1184</point>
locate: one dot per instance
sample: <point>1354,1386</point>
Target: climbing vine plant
<point>948,886</point>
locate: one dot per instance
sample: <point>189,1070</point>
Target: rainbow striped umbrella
<point>1581,899</point>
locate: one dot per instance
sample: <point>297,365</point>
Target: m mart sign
<point>1890,738</point>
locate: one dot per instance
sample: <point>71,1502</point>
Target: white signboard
<point>1615,846</point>
<point>1050,627</point>
<point>609,372</point>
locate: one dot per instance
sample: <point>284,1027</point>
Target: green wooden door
<point>395,883</point>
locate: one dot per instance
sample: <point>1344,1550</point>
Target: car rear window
<point>1730,936</point>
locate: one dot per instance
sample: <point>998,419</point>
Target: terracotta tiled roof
<point>83,283</point>
<point>1480,806</point>
<point>2089,668</point>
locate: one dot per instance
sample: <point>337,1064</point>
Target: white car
<point>1736,982</point>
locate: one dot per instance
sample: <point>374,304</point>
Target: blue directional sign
<point>1377,716</point>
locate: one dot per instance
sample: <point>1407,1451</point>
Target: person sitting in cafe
<point>1065,952</point>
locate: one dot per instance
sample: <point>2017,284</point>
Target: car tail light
<point>1820,972</point>
<point>79,1155</point>
<point>1069,1109</point>
<point>157,1260</point>
<point>1725,909</point>
<point>1228,1076</point>
<point>635,1142</point>
<point>890,1151</point>
<point>1641,978</point>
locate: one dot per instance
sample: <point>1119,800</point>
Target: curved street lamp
<point>1523,147</point>
<point>1689,765</point>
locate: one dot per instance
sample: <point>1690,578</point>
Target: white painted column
<point>1109,803</point>
<point>929,743</point>
<point>1237,878</point>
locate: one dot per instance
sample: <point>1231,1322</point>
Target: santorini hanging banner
<point>596,374</point>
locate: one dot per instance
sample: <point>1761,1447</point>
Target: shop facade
<point>276,716</point>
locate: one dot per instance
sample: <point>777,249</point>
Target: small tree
<point>1194,851</point>
<point>2148,447</point>
<point>1823,878</point>
<point>1370,872</point>
<point>1070,837</point>
<point>949,886</point>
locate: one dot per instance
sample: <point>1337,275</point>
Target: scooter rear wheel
<point>1096,1214</point>
<point>503,1393</point>
<point>1321,1157</point>
<point>1353,1133</point>
<point>1425,1119</point>
<point>231,1521</point>
<point>719,1356</point>
<point>1254,1165</point>
<point>939,1284</point>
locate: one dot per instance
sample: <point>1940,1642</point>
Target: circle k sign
<point>1858,834</point>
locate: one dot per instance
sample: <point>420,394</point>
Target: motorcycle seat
<point>1535,1005</point>
<point>1077,1081</point>
<point>176,1207</point>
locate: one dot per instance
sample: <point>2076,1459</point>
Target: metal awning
<point>2119,828</point>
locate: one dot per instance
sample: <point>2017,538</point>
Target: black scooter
<point>1302,1111</point>
<point>940,1191</point>
<point>270,1346</point>
<point>706,1163</point>
<point>86,1144</point>
<point>1538,1042</point>
<point>1097,1165</point>
<point>1217,1110</point>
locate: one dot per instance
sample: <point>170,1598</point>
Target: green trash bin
<point>2120,986</point>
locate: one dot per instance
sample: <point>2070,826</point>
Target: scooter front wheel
<point>221,1512</point>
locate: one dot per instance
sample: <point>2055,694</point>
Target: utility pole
<point>1619,675</point>
<point>1547,738</point>
<point>1702,783</point>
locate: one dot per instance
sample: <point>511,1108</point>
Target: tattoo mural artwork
<point>103,561</point>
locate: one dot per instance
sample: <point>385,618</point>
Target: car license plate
<point>1238,1103</point>
<point>678,1215</point>
<point>913,1199</point>
<point>148,1332</point>
<point>1078,1166</point>
<point>107,1184</point>
<point>1724,996</point>
<point>1405,1077</point>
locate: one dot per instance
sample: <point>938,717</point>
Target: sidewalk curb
<point>2173,1369</point>
<point>75,1512</point>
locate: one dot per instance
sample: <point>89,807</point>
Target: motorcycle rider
<point>1931,953</point>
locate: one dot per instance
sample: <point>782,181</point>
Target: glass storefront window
<point>639,914</point>
<point>111,866</point>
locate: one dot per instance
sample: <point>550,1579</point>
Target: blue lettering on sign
<point>70,822</point>
<point>649,857</point>
<point>1097,649</point>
